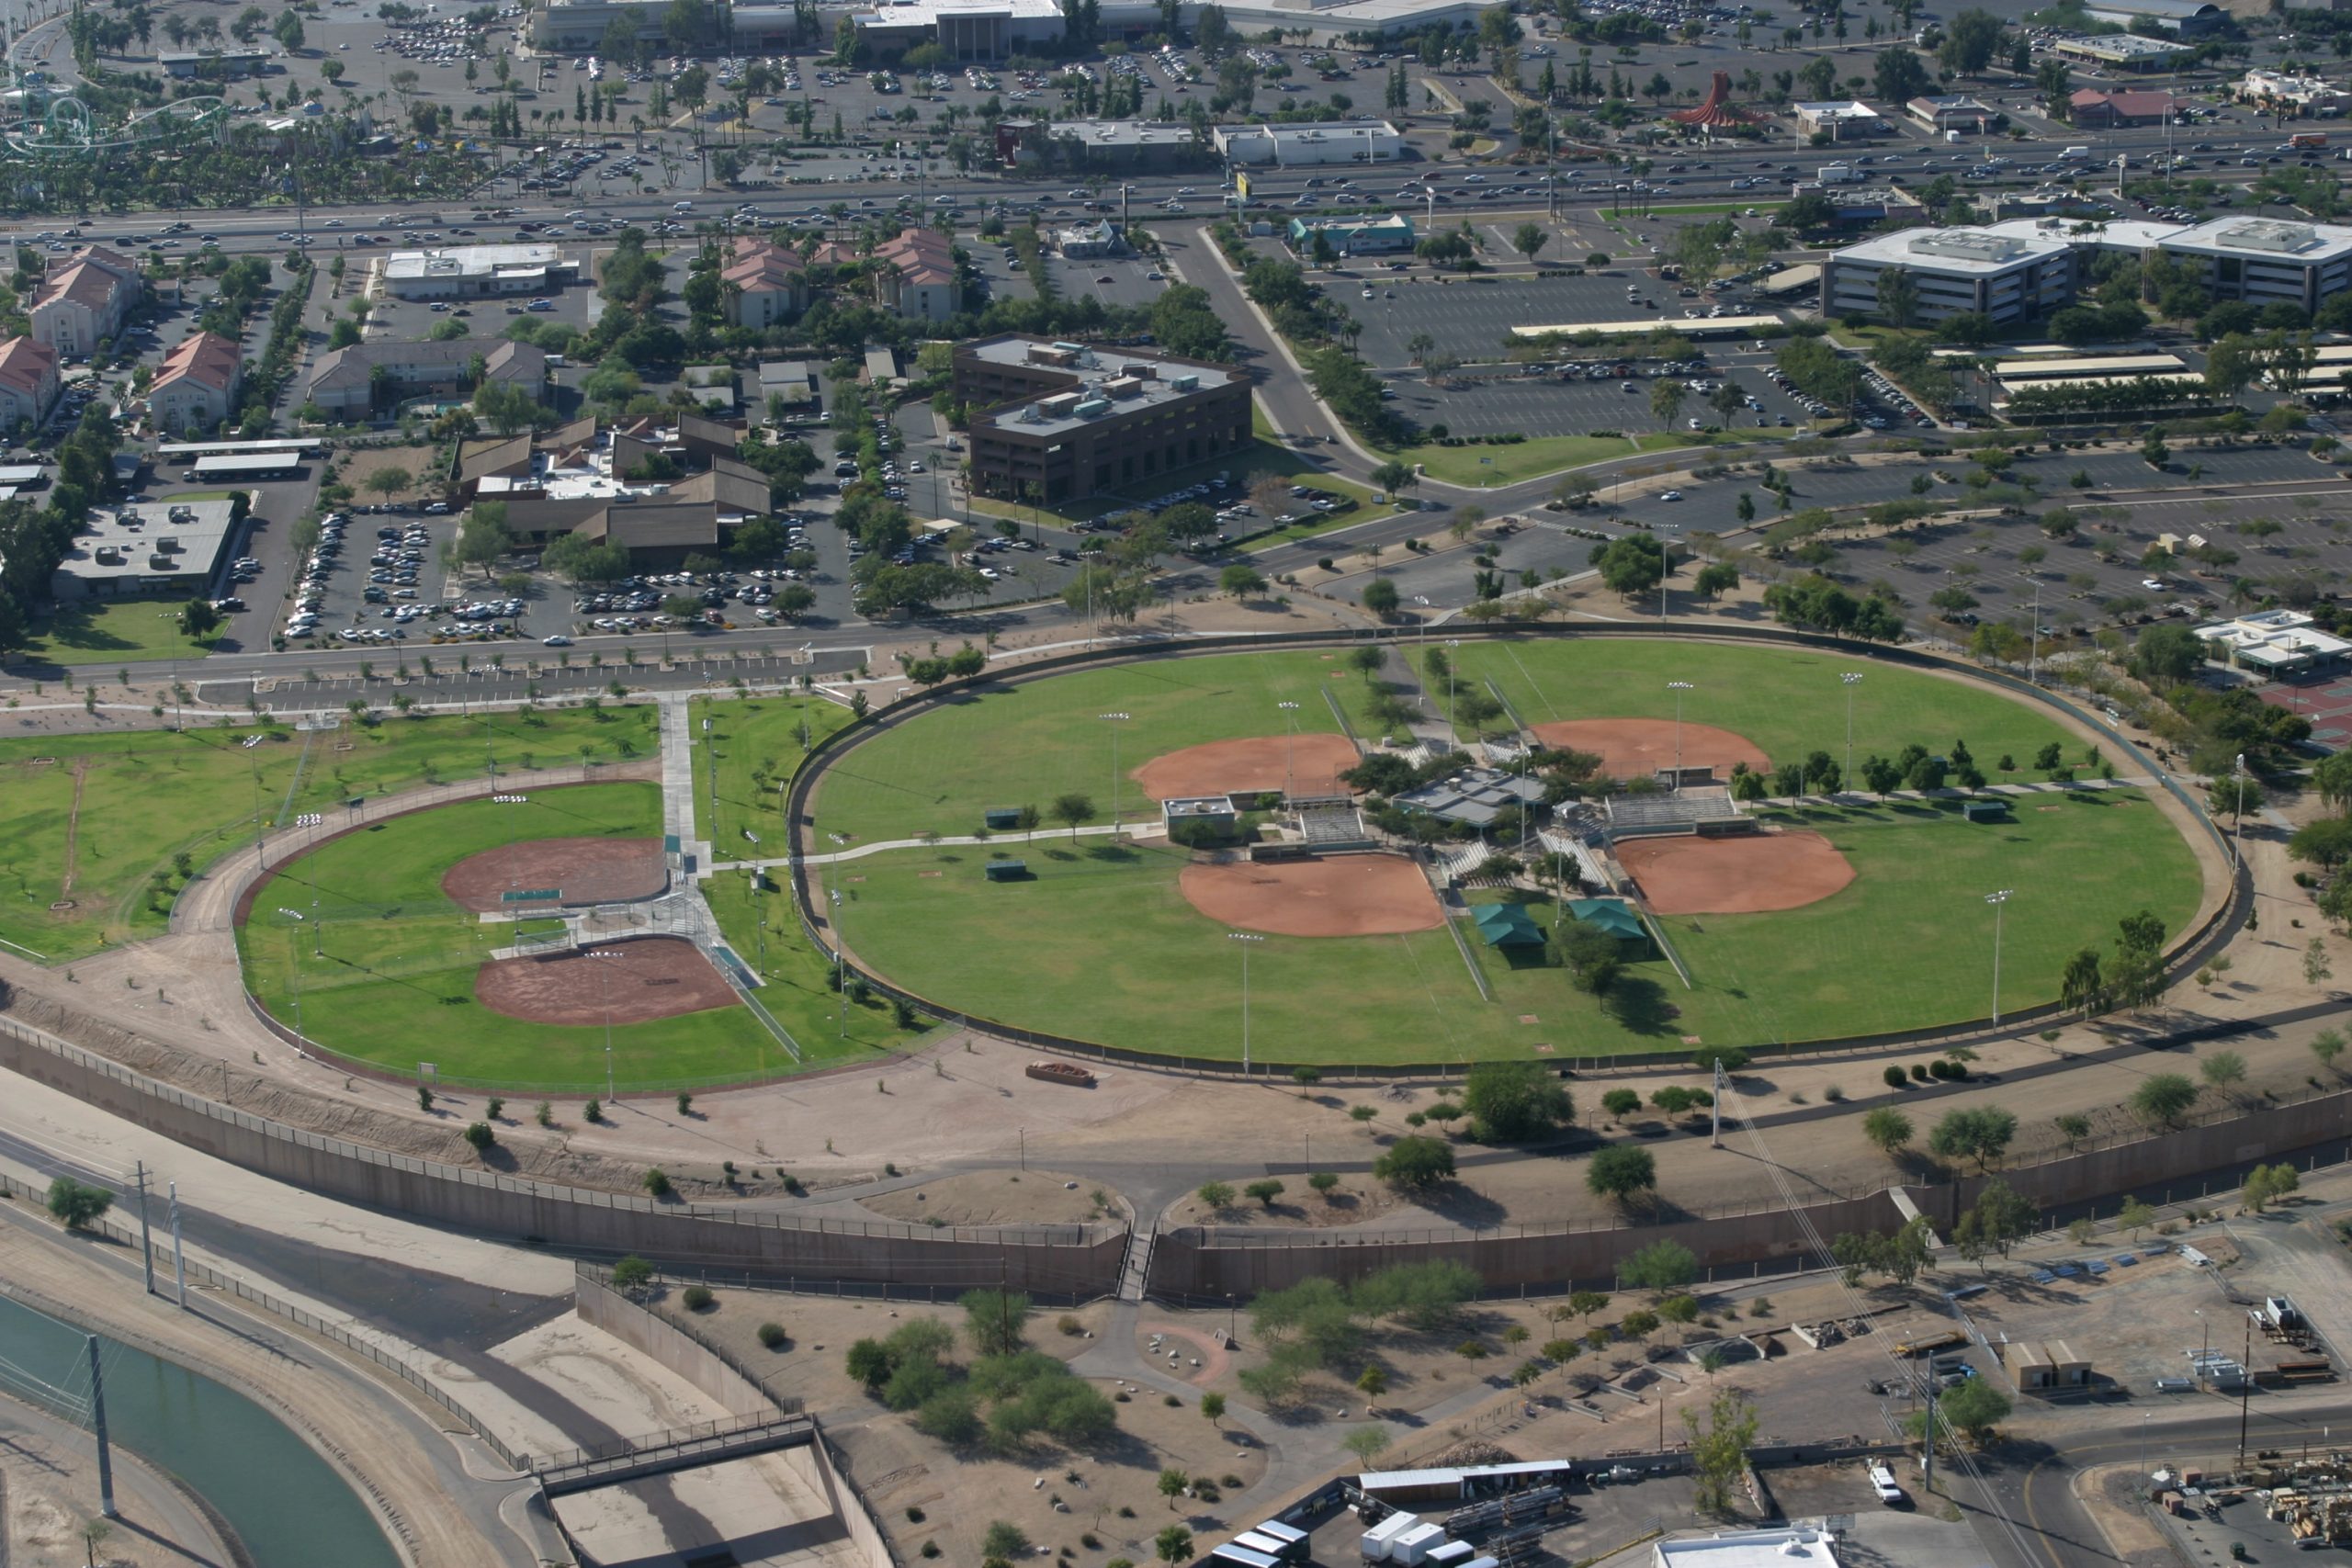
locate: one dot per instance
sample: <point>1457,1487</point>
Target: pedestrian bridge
<point>664,1453</point>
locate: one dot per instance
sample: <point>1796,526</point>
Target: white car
<point>1670,495</point>
<point>2156,582</point>
<point>558,641</point>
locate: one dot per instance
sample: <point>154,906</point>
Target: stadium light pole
<point>841,980</point>
<point>605,989</point>
<point>2237,823</point>
<point>2033,644</point>
<point>1290,753</point>
<point>1115,719</point>
<point>1998,900</point>
<point>1245,939</point>
<point>1849,678</point>
<point>1677,688</point>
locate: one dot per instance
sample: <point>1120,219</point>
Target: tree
<point>632,1273</point>
<point>1666,399</point>
<point>1719,1448</point>
<point>2327,1045</point>
<point>1620,1102</point>
<point>1898,296</point>
<point>2152,450</point>
<point>1715,579</point>
<point>2222,1071</point>
<point>1530,239</point>
<point>1173,1544</point>
<point>1975,1409</point>
<point>1367,1442</point>
<point>198,620</point>
<point>1241,580</point>
<point>1213,1407</point>
<point>387,481</point>
<point>2134,1217</point>
<point>1380,597</point>
<point>1511,1102</point>
<point>1977,1133</point>
<point>482,537</point>
<point>2161,1100</point>
<point>1998,1221</point>
<point>1633,566</point>
<point>77,1207</point>
<point>1004,1541</point>
<point>1619,1172</point>
<point>2266,1184</point>
<point>1415,1163</point>
<point>1662,1266</point>
<point>994,1321</point>
<point>1172,1483</point>
<point>2072,1127</point>
<point>2081,988</point>
<point>2167,654</point>
<point>1265,1190</point>
<point>1072,809</point>
<point>1215,1196</point>
<point>1888,1130</point>
<point>1898,76</point>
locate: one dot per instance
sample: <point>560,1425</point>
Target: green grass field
<point>759,743</point>
<point>1788,701</point>
<point>112,631</point>
<point>1549,454</point>
<point>1109,949</point>
<point>1024,745</point>
<point>148,796</point>
<point>385,964</point>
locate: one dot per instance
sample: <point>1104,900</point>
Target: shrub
<point>698,1298</point>
<point>929,1549</point>
<point>494,1108</point>
<point>657,1182</point>
<point>1068,1323</point>
<point>481,1137</point>
<point>76,1206</point>
<point>1833,1094</point>
<point>1893,1078</point>
<point>545,1114</point>
<point>773,1337</point>
<point>632,1273</point>
<point>1919,1071</point>
<point>593,1114</point>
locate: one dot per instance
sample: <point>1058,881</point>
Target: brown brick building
<point>1078,419</point>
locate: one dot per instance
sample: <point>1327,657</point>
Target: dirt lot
<point>999,1198</point>
<point>1631,748</point>
<point>632,982</point>
<point>1303,764</point>
<point>1356,1198</point>
<point>587,871</point>
<point>1743,876</point>
<point>1339,895</point>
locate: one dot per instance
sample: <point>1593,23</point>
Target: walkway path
<point>678,775</point>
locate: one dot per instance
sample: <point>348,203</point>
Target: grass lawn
<point>1109,949</point>
<point>1024,745</point>
<point>1719,206</point>
<point>798,974</point>
<point>754,740</point>
<point>1788,701</point>
<point>1549,454</point>
<point>113,631</point>
<point>83,823</point>
<point>393,982</point>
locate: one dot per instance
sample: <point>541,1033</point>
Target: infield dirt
<point>1633,748</point>
<point>584,870</point>
<point>1339,895</point>
<point>1745,875</point>
<point>1302,764</point>
<point>645,978</point>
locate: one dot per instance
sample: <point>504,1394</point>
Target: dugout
<point>1006,871</point>
<point>1986,811</point>
<point>1507,925</point>
<point>1613,916</point>
<point>1001,818</point>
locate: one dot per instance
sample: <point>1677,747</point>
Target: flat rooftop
<point>1970,251</point>
<point>2264,239</point>
<point>1699,327</point>
<point>2110,233</point>
<point>134,538</point>
<point>1102,377</point>
<point>1124,132</point>
<point>927,13</point>
<point>1748,1549</point>
<point>471,261</point>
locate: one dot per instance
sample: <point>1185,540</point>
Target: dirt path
<point>74,830</point>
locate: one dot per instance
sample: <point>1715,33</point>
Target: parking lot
<point>1470,320</point>
<point>1116,281</point>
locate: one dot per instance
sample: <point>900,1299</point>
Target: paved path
<point>678,773</point>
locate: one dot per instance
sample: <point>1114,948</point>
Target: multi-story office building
<point>2262,260</point>
<point>2008,276</point>
<point>1075,419</point>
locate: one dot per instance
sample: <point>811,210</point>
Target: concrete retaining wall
<point>1058,1262</point>
<point>601,1306</point>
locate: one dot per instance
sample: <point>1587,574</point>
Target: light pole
<point>1245,939</point>
<point>1116,719</point>
<point>1677,688</point>
<point>841,977</point>
<point>1998,900</point>
<point>1849,678</point>
<point>2237,825</point>
<point>2033,645</point>
<point>1290,752</point>
<point>605,990</point>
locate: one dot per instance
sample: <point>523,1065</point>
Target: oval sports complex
<point>1793,922</point>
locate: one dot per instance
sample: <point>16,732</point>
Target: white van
<point>682,207</point>
<point>1883,1483</point>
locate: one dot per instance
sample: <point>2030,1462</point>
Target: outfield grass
<point>1109,950</point>
<point>149,797</point>
<point>385,964</point>
<point>1026,745</point>
<point>761,736</point>
<point>113,631</point>
<point>1789,701</point>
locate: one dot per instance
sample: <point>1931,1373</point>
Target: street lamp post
<point>1677,688</point>
<point>2033,644</point>
<point>1290,751</point>
<point>1245,939</point>
<point>1116,719</point>
<point>2237,824</point>
<point>1849,678</point>
<point>840,977</point>
<point>1998,900</point>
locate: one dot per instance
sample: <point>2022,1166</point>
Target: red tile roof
<point>25,363</point>
<point>208,359</point>
<point>921,256</point>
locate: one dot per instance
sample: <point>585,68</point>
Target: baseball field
<point>1112,943</point>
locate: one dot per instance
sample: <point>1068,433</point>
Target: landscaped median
<point>1489,463</point>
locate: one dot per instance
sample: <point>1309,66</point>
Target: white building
<point>174,548</point>
<point>2273,642</point>
<point>2264,259</point>
<point>474,272</point>
<point>1748,1549</point>
<point>1841,120</point>
<point>2008,276</point>
<point>2301,95</point>
<point>1329,142</point>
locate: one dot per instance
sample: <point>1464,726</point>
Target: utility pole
<point>146,1237</point>
<point>179,1254</point>
<point>1715,1112</point>
<point>98,1423</point>
<point>1927,1465</point>
<point>2246,1389</point>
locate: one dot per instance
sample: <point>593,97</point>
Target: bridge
<point>663,1453</point>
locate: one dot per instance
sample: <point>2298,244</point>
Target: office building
<point>85,301</point>
<point>1841,120</point>
<point>916,276</point>
<point>2261,259</point>
<point>2305,97</point>
<point>1291,146</point>
<point>2008,276</point>
<point>195,386</point>
<point>1075,420</point>
<point>474,272</point>
<point>29,384</point>
<point>373,377</point>
<point>2273,642</point>
<point>174,548</point>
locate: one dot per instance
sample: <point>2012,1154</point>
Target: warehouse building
<point>1779,1547</point>
<point>2008,276</point>
<point>1076,420</point>
<point>2182,18</point>
<point>1328,142</point>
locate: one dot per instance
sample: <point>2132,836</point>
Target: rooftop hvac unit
<point>1093,408</point>
<point>1185,383</point>
<point>1031,415</point>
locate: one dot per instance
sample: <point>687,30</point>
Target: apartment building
<point>357,380</point>
<point>84,300</point>
<point>195,386</point>
<point>29,384</point>
<point>917,276</point>
<point>767,283</point>
<point>1076,420</point>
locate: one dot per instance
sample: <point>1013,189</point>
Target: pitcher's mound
<point>1743,876</point>
<point>1306,764</point>
<point>650,977</point>
<point>1636,748</point>
<point>582,871</point>
<point>1339,895</point>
